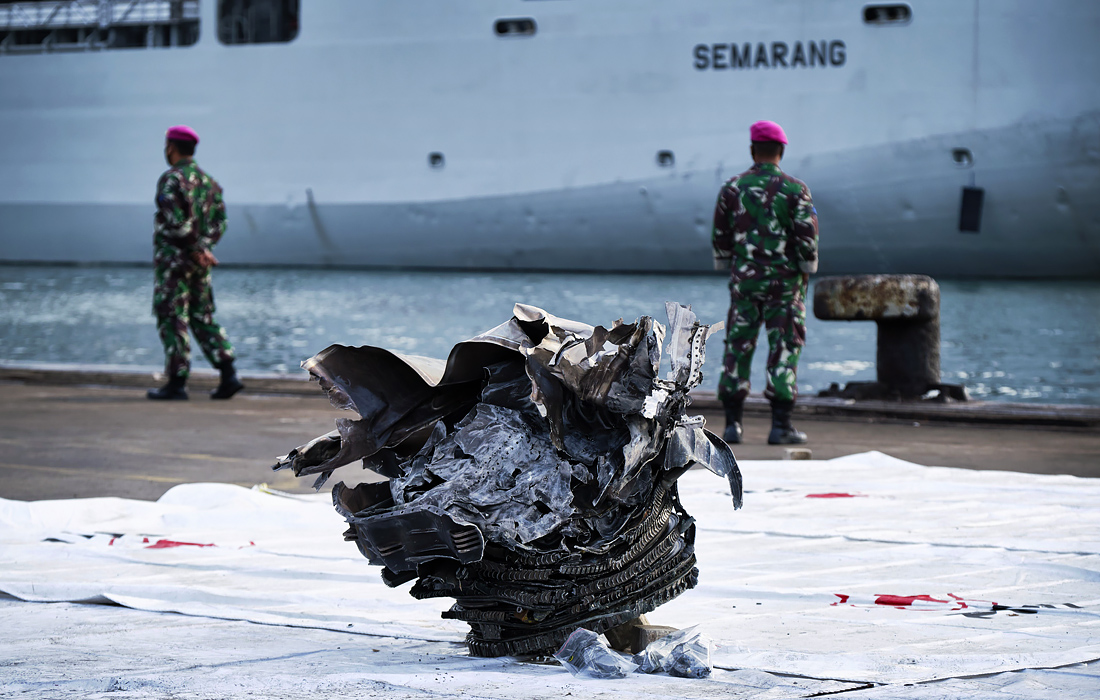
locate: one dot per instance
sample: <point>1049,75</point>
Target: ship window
<point>887,14</point>
<point>436,160</point>
<point>515,27</point>
<point>257,21</point>
<point>45,26</point>
<point>665,159</point>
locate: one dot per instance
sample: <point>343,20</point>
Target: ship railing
<point>102,14</point>
<point>48,26</point>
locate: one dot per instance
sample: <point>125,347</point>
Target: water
<point>1013,340</point>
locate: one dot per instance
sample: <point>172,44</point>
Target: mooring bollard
<point>906,309</point>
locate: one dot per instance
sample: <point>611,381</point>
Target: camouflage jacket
<point>765,225</point>
<point>190,213</point>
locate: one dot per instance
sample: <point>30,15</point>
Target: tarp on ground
<point>864,569</point>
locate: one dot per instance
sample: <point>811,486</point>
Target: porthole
<point>436,160</point>
<point>665,159</point>
<point>962,157</point>
<point>887,14</point>
<point>522,26</point>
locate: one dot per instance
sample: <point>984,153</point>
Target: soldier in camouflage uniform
<point>190,220</point>
<point>765,233</point>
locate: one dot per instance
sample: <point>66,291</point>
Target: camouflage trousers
<point>778,304</point>
<point>183,297</point>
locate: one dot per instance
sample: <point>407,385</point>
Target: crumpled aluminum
<point>531,476</point>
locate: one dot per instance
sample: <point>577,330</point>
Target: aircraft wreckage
<point>531,476</point>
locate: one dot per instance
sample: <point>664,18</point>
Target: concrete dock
<point>68,433</point>
<point>960,583</point>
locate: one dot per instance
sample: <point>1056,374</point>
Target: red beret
<point>767,131</point>
<point>182,133</point>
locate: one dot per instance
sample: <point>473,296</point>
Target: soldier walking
<point>189,222</point>
<point>765,233</point>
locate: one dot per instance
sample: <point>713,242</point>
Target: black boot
<point>783,433</point>
<point>734,411</point>
<point>229,383</point>
<point>172,391</point>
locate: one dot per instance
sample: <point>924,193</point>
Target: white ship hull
<point>550,141</point>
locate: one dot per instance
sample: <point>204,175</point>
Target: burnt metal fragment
<point>531,476</point>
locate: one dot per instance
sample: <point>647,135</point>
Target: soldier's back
<point>206,197</point>
<point>764,220</point>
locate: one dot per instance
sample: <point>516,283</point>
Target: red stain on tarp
<point>168,544</point>
<point>962,604</point>
<point>901,600</point>
<point>833,495</point>
<point>905,602</point>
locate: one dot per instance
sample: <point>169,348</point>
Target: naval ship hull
<point>599,142</point>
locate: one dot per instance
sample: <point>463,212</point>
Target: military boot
<point>734,411</point>
<point>229,384</point>
<point>172,391</point>
<point>783,433</point>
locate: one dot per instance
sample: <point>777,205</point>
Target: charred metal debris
<point>531,476</point>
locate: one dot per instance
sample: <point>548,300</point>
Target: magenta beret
<point>182,133</point>
<point>767,131</point>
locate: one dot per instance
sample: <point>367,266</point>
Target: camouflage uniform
<point>765,231</point>
<point>190,218</point>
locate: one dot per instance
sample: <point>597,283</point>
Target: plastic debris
<point>685,654</point>
<point>585,655</point>
<point>531,476</point>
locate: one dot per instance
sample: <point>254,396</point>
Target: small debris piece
<point>531,476</point>
<point>586,656</point>
<point>798,453</point>
<point>685,654</point>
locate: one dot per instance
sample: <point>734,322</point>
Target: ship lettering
<point>779,54</point>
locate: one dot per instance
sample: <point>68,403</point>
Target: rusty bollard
<point>907,311</point>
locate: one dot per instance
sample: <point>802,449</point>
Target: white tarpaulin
<point>855,571</point>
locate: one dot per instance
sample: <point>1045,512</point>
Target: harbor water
<point>1025,341</point>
